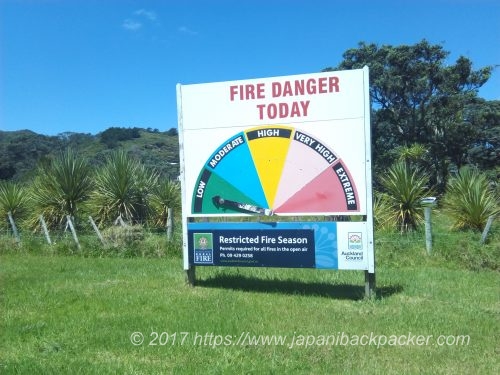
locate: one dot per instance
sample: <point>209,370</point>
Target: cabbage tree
<point>123,188</point>
<point>61,188</point>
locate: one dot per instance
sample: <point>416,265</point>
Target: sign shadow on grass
<point>335,291</point>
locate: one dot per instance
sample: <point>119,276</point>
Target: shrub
<point>404,189</point>
<point>382,212</point>
<point>123,187</point>
<point>14,199</point>
<point>470,199</point>
<point>61,188</point>
<point>118,236</point>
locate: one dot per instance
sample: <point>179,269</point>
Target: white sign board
<point>280,146</point>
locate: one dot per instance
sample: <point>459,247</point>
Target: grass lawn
<point>78,315</point>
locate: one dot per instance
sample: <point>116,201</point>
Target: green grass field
<point>80,314</point>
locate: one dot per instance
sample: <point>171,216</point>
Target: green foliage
<point>382,212</point>
<point>61,188</point>
<point>155,154</point>
<point>470,199</point>
<point>419,97</point>
<point>14,198</point>
<point>111,136</point>
<point>451,249</point>
<point>173,132</point>
<point>166,195</point>
<point>120,236</point>
<point>122,189</point>
<point>485,118</point>
<point>413,154</point>
<point>21,151</point>
<point>404,187</point>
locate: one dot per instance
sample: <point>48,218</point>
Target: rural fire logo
<point>203,248</point>
<point>355,241</point>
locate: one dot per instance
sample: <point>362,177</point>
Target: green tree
<point>14,198</point>
<point>415,155</point>
<point>123,187</point>
<point>166,195</point>
<point>172,132</point>
<point>146,182</point>
<point>111,136</point>
<point>418,98</point>
<point>404,187</point>
<point>62,187</point>
<point>21,151</point>
<point>470,199</point>
<point>484,117</point>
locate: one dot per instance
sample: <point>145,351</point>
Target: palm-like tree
<point>382,212</point>
<point>122,189</point>
<point>166,195</point>
<point>60,188</point>
<point>14,198</point>
<point>470,199</point>
<point>146,182</point>
<point>405,187</point>
<point>415,154</point>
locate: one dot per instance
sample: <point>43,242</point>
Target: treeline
<point>22,152</point>
<point>121,190</point>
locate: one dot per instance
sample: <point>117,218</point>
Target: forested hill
<point>22,151</point>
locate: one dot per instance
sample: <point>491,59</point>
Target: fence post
<point>169,223</point>
<point>486,229</point>
<point>14,228</point>
<point>120,221</point>
<point>428,229</point>
<point>96,230</point>
<point>45,230</point>
<point>70,223</point>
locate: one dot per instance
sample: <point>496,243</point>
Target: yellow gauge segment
<point>269,148</point>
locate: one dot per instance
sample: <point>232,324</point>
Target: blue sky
<point>86,65</point>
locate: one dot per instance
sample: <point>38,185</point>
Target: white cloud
<point>150,15</point>
<point>131,25</point>
<point>139,18</point>
<point>186,30</point>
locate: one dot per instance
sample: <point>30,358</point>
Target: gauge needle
<point>225,203</point>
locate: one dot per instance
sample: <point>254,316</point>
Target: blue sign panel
<point>290,244</point>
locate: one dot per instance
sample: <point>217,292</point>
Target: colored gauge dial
<point>274,170</point>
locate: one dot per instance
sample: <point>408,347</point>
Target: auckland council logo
<point>355,241</point>
<point>203,248</point>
